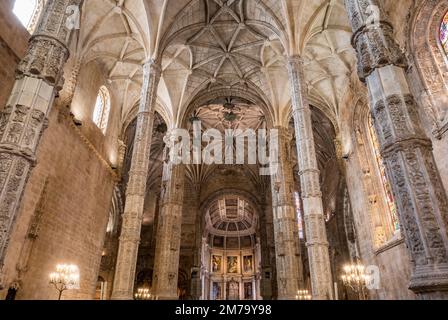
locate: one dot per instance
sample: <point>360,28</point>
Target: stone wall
<point>13,43</point>
<point>75,215</point>
<point>76,162</point>
<point>392,258</point>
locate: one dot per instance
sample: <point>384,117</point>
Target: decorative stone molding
<point>106,164</point>
<point>36,15</point>
<point>407,152</point>
<point>32,233</point>
<point>286,229</point>
<point>430,61</point>
<point>166,261</point>
<point>376,48</point>
<point>371,181</point>
<point>136,188</point>
<point>374,42</point>
<point>22,122</point>
<point>322,285</point>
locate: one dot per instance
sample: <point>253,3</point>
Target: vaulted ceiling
<point>213,49</point>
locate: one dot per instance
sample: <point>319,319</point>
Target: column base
<point>122,296</point>
<point>167,297</point>
<point>2,280</point>
<point>292,297</point>
<point>430,279</point>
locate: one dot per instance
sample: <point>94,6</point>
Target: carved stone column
<point>266,267</point>
<point>316,236</point>
<point>285,222</point>
<point>407,151</point>
<point>166,261</point>
<point>39,77</point>
<point>136,188</point>
<point>196,285</point>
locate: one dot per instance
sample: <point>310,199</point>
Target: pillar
<point>287,250</point>
<point>166,261</point>
<point>196,284</point>
<point>265,252</point>
<point>407,151</point>
<point>136,189</point>
<point>39,77</point>
<point>317,244</point>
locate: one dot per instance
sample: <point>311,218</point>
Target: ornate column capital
<point>38,76</point>
<point>48,47</point>
<point>419,193</point>
<point>152,67</point>
<point>295,60</point>
<point>373,37</point>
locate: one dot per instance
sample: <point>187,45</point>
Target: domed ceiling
<point>231,221</point>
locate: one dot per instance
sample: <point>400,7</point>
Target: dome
<point>231,222</point>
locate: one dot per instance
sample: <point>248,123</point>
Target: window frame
<point>101,111</point>
<point>34,18</point>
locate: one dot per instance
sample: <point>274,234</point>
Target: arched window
<point>444,33</point>
<point>299,213</point>
<point>392,218</point>
<point>102,109</point>
<point>28,12</point>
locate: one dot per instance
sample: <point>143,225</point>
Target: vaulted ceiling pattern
<point>217,44</point>
<point>214,48</point>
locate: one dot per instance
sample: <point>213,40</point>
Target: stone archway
<point>431,64</point>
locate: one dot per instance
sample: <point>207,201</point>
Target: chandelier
<point>356,278</point>
<point>229,105</point>
<point>303,295</point>
<point>65,278</point>
<point>143,294</point>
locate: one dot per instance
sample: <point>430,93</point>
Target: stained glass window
<point>444,33</point>
<point>299,213</point>
<point>392,209</point>
<point>102,109</point>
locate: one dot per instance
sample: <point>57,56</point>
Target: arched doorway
<point>231,252</point>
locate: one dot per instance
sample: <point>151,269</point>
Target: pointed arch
<point>102,109</point>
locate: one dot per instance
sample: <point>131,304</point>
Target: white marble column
<point>39,77</point>
<point>136,189</point>
<point>316,236</point>
<point>287,252</point>
<point>166,261</point>
<point>407,151</point>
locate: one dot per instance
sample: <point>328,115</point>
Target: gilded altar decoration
<point>247,264</point>
<point>216,264</point>
<point>232,264</point>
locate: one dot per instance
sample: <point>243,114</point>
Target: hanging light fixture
<point>228,104</point>
<point>356,278</point>
<point>143,294</point>
<point>303,295</point>
<point>65,278</point>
